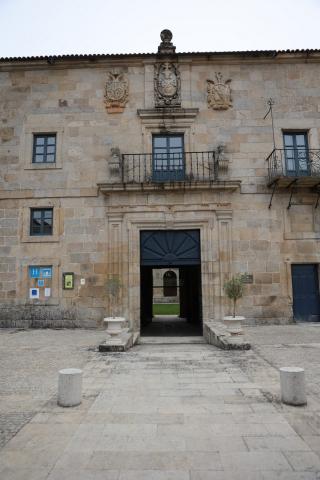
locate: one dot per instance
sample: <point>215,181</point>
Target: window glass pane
<point>39,149</point>
<point>47,227</point>
<point>39,140</point>
<point>159,142</point>
<point>36,214</point>
<point>290,153</point>
<point>175,142</point>
<point>288,140</point>
<point>51,149</point>
<point>160,150</point>
<point>50,158</point>
<point>35,229</point>
<point>301,140</point>
<point>51,140</point>
<point>35,226</point>
<point>39,158</point>
<point>47,213</point>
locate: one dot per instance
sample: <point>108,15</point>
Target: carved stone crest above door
<point>167,85</point>
<point>116,91</point>
<point>219,93</point>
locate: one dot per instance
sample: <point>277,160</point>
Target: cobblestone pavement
<point>164,412</point>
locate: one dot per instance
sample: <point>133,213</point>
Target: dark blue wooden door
<point>305,286</point>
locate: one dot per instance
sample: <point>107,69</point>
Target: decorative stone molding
<point>222,161</point>
<point>219,93</point>
<point>116,91</point>
<point>167,85</point>
<point>114,165</point>
<point>170,118</point>
<point>166,46</point>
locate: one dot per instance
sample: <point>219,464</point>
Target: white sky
<point>43,27</point>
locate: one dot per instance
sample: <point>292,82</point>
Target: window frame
<point>45,154</point>
<point>171,172</point>
<point>37,124</point>
<point>296,158</point>
<point>42,210</point>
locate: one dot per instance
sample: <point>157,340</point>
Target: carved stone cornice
<point>230,185</point>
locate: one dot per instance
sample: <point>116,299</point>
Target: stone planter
<point>234,327</point>
<point>119,339</point>
<point>115,325</point>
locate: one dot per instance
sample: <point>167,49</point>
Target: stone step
<point>144,340</point>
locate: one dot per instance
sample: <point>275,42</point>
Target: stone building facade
<point>102,154</point>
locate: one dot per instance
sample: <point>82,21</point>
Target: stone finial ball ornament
<point>166,36</point>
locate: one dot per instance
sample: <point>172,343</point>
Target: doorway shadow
<point>189,321</point>
<point>170,326</point>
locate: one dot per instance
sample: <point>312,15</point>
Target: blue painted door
<point>305,286</point>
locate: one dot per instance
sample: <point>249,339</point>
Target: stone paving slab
<point>158,412</point>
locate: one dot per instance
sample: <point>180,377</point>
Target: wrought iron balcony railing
<point>169,167</point>
<point>293,163</point>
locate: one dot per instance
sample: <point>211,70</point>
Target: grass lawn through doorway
<point>166,309</point>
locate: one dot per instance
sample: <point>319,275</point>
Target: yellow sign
<point>68,281</point>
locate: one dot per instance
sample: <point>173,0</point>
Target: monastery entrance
<point>170,269</point>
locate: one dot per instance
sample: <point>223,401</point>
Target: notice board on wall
<point>40,282</point>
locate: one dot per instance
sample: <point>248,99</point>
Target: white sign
<point>82,281</point>
<point>34,293</point>
<point>47,292</point>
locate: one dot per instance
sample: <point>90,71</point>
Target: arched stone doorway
<point>170,284</point>
<point>178,249</point>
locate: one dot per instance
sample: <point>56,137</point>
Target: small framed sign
<point>247,278</point>
<point>34,293</point>
<point>68,281</point>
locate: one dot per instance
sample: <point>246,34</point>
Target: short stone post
<point>293,389</point>
<point>70,387</point>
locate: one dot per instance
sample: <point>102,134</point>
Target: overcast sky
<point>43,27</point>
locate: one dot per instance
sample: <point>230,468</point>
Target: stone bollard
<point>70,387</point>
<point>293,389</point>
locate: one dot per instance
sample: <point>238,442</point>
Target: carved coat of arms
<point>117,92</point>
<point>219,93</point>
<point>167,85</point>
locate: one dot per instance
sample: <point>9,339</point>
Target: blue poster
<point>45,272</point>
<point>34,272</point>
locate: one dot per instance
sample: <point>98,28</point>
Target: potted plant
<point>115,324</point>
<point>234,291</point>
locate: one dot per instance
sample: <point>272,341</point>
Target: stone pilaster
<point>224,221</point>
<point>115,267</point>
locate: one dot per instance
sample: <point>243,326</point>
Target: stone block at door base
<point>216,334</point>
<point>119,344</point>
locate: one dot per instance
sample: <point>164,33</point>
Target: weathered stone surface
<point>216,334</point>
<point>293,386</point>
<point>70,387</point>
<point>98,235</point>
<point>173,412</point>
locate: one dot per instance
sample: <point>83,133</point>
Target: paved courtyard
<point>163,412</point>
